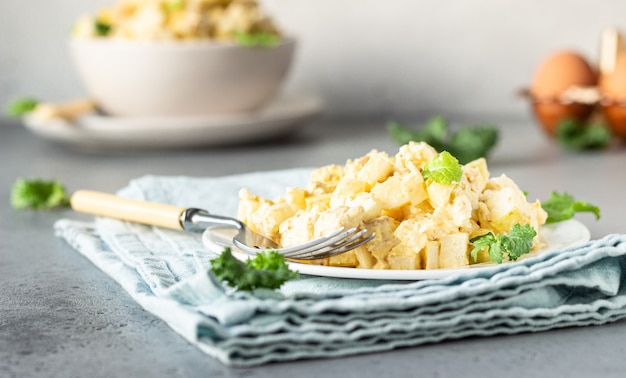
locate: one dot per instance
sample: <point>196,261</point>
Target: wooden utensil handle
<point>109,205</point>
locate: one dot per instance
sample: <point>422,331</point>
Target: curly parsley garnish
<point>266,270</point>
<point>516,243</point>
<point>38,194</point>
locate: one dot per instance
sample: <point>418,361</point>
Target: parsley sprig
<point>21,106</point>
<point>575,135</point>
<point>266,270</point>
<point>38,194</point>
<point>563,206</point>
<point>443,169</point>
<point>516,243</point>
<point>467,143</point>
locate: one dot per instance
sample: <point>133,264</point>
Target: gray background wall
<point>367,59</point>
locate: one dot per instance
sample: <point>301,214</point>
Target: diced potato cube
<point>413,188</point>
<point>348,187</point>
<point>327,174</point>
<point>403,259</point>
<point>346,259</point>
<point>410,235</point>
<point>321,201</point>
<point>477,174</point>
<point>414,155</point>
<point>419,210</point>
<point>381,265</point>
<point>502,206</point>
<point>389,193</point>
<point>453,252</point>
<point>297,229</point>
<point>371,207</point>
<point>460,211</point>
<point>333,219</point>
<point>296,198</point>
<point>399,213</point>
<point>430,255</point>
<point>438,194</point>
<point>315,188</point>
<point>377,168</point>
<point>364,257</point>
<point>269,217</point>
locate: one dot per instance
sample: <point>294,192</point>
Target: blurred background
<point>367,59</point>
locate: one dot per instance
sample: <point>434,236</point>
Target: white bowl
<point>180,78</point>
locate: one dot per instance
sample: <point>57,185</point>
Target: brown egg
<point>558,73</point>
<point>613,88</point>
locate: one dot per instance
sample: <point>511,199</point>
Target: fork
<point>197,220</point>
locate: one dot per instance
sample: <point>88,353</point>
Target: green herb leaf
<point>101,28</point>
<point>466,144</point>
<point>443,169</point>
<point>436,129</point>
<point>470,143</point>
<point>257,39</point>
<point>38,194</point>
<point>21,106</point>
<point>575,135</point>
<point>174,5</point>
<point>519,240</point>
<point>563,206</point>
<point>482,242</point>
<point>434,133</point>
<point>516,243</point>
<point>267,270</point>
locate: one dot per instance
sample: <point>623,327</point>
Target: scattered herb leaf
<point>516,243</point>
<point>563,206</point>
<point>101,28</point>
<point>575,135</point>
<point>466,144</point>
<point>258,39</point>
<point>38,194</point>
<point>267,270</point>
<point>21,106</point>
<point>443,169</point>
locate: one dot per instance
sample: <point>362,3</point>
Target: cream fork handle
<point>109,205</point>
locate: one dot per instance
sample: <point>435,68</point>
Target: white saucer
<point>96,131</point>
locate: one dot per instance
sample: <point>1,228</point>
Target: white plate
<point>557,236</point>
<point>96,131</point>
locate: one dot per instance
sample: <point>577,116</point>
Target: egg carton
<point>566,85</point>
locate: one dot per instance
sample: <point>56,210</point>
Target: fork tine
<point>313,244</point>
<point>348,244</point>
<point>334,243</point>
<point>310,245</point>
<point>322,242</point>
<point>329,252</point>
<point>346,248</point>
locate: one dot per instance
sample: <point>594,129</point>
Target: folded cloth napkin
<point>166,271</point>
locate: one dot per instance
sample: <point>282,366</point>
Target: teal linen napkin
<point>314,317</point>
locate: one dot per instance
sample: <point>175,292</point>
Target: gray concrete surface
<point>62,317</point>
